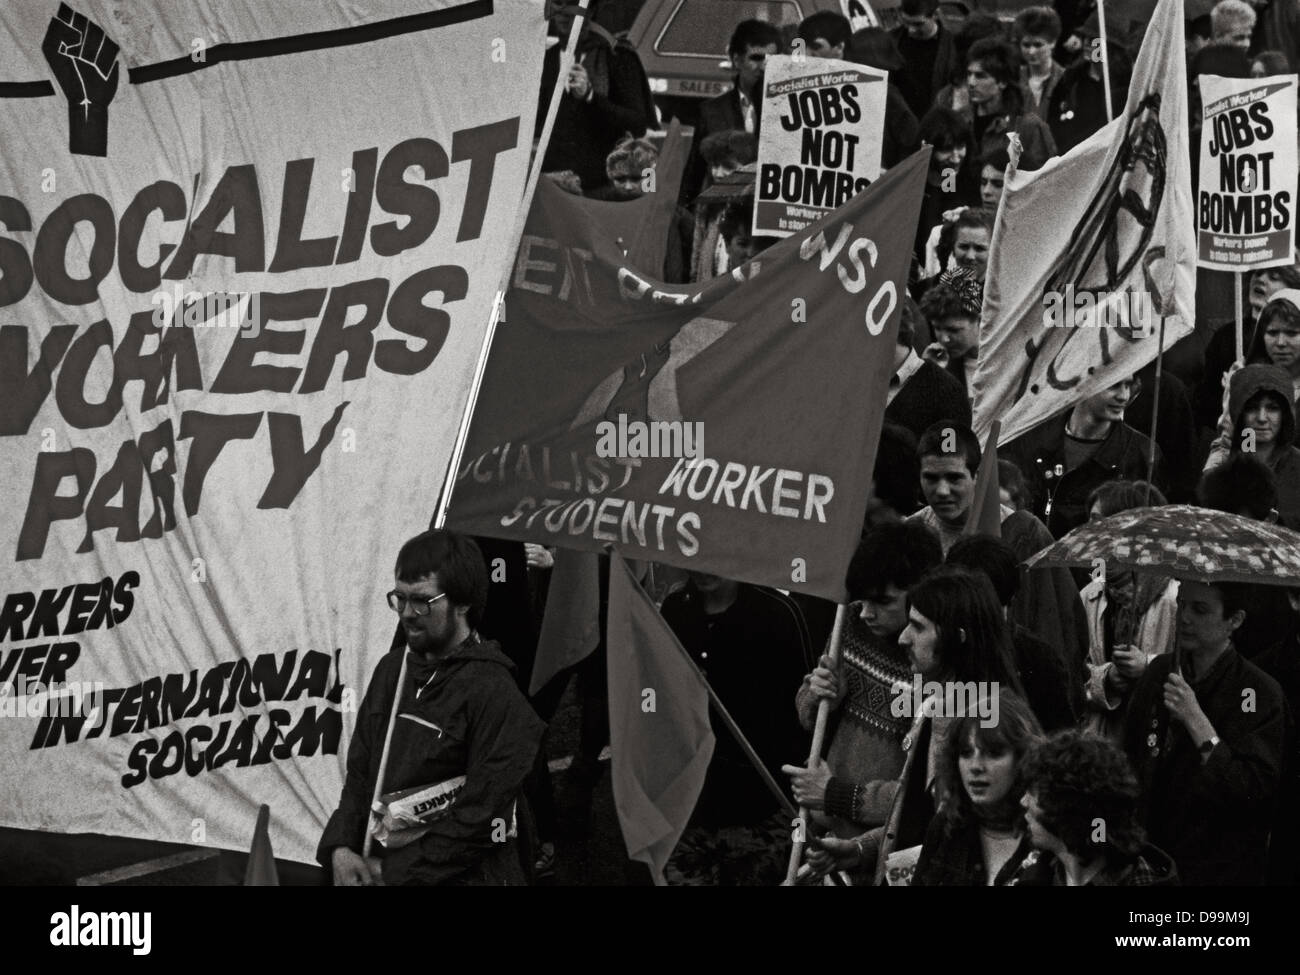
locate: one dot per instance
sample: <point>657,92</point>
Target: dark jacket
<point>1076,107</point>
<point>920,97</point>
<point>1060,497</point>
<point>1036,140</point>
<point>585,133</point>
<point>1152,867</point>
<point>469,720</point>
<point>1212,815</point>
<point>930,395</point>
<point>754,654</point>
<point>1282,662</point>
<point>952,856</point>
<point>1177,435</point>
<point>718,114</point>
<point>1046,680</point>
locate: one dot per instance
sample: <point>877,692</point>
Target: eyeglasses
<point>398,602</point>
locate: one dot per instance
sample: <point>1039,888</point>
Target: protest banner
<point>248,254</point>
<point>820,145</point>
<point>1093,255</point>
<point>728,426</point>
<point>1245,213</point>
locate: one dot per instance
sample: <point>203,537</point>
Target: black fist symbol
<point>84,61</point>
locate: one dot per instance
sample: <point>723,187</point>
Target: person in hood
<point>460,715</point>
<point>1073,781</point>
<point>1260,420</point>
<point>1277,338</point>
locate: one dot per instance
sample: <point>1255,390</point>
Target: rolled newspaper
<point>402,817</point>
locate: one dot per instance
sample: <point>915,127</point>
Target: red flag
<point>728,426</point>
<point>261,871</point>
<point>659,732</point>
<point>571,624</point>
<point>986,507</point>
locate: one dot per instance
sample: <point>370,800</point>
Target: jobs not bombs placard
<point>1246,198</point>
<point>823,123</point>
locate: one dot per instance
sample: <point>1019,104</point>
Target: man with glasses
<point>463,730</point>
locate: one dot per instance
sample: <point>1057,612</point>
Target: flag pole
<point>462,434</point>
<point>818,739</point>
<point>1155,414</point>
<point>1105,58</point>
<point>525,204</point>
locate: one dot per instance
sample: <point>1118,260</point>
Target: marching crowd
<point>1131,728</point>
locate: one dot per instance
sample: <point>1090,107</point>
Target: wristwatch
<point>1208,746</point>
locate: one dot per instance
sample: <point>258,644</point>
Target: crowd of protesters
<point>1112,760</point>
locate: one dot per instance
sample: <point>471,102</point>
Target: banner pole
<point>1236,311</point>
<point>819,737</point>
<point>1155,413</point>
<point>462,434</point>
<point>1105,58</point>
<point>525,204</point>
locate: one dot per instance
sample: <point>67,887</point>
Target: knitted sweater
<point>866,739</point>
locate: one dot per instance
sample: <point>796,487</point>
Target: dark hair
<point>831,27</point>
<point>974,217</point>
<point>1200,27</point>
<point>1235,596</point>
<point>1282,309</point>
<point>897,471</point>
<point>979,26</point>
<point>1225,60</point>
<point>738,218</point>
<point>1078,779</point>
<point>1001,62</point>
<point>1016,731</point>
<point>1011,478</point>
<point>919,8</point>
<point>968,445</point>
<point>1275,62</point>
<point>998,158</point>
<point>896,554</point>
<point>1038,22</point>
<point>1242,483</point>
<point>730,144</point>
<point>458,561</point>
<point>1117,496</point>
<point>908,313</point>
<point>753,33</point>
<point>992,556</point>
<point>945,128</point>
<point>974,636</point>
<point>945,300</point>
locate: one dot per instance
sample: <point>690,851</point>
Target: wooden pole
<point>1105,58</point>
<point>1155,412</point>
<point>815,752</point>
<point>462,434</point>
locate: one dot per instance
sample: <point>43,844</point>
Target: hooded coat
<point>465,716</point>
<point>1247,383</point>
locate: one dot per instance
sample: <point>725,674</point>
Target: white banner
<point>820,143</point>
<point>1245,213</point>
<point>248,253</point>
<point>1091,251</point>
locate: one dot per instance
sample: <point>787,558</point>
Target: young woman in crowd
<point>1260,418</point>
<point>1036,31</point>
<point>1080,806</point>
<point>1131,617</point>
<point>977,838</point>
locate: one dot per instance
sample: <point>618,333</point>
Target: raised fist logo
<point>84,61</point>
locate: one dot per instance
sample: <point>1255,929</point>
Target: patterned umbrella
<point>1182,541</point>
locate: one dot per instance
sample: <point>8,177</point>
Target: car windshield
<point>701,28</point>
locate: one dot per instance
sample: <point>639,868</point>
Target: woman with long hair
<point>1131,617</point>
<point>977,837</point>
